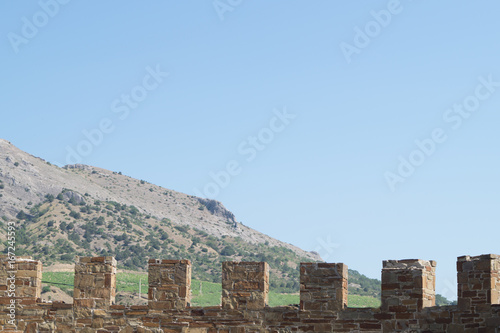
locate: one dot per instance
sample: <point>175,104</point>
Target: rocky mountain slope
<point>26,180</point>
<point>88,211</point>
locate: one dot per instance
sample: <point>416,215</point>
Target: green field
<point>356,301</point>
<point>208,294</point>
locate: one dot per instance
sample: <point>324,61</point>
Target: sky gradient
<point>362,130</point>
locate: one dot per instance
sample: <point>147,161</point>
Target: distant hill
<point>85,210</point>
<point>26,180</point>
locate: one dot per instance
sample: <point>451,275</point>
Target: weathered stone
<point>408,284</point>
<point>169,284</point>
<point>408,287</point>
<point>245,285</point>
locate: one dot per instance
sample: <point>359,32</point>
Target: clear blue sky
<point>362,81</point>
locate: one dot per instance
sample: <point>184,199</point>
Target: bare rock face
<point>217,208</point>
<point>76,197</point>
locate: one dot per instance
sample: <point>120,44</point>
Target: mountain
<point>88,211</point>
<point>85,210</point>
<point>27,179</point>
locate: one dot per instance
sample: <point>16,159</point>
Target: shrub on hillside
<point>228,251</point>
<point>67,257</point>
<point>75,215</point>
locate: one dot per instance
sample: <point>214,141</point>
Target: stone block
<point>478,281</point>
<point>323,286</point>
<point>245,285</point>
<point>408,284</point>
<point>169,284</point>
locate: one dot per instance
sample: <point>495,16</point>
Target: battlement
<point>169,284</point>
<point>408,299</point>
<point>323,287</point>
<point>408,285</point>
<point>245,285</point>
<point>478,281</point>
<point>27,281</point>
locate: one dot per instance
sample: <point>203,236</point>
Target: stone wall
<point>245,285</point>
<point>94,291</point>
<point>169,284</point>
<point>27,278</point>
<point>408,300</point>
<point>323,287</point>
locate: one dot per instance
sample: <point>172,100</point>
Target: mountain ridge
<point>86,211</point>
<point>27,179</point>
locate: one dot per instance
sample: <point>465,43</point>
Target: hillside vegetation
<point>81,210</point>
<point>27,180</point>
<point>58,229</point>
<point>63,227</point>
